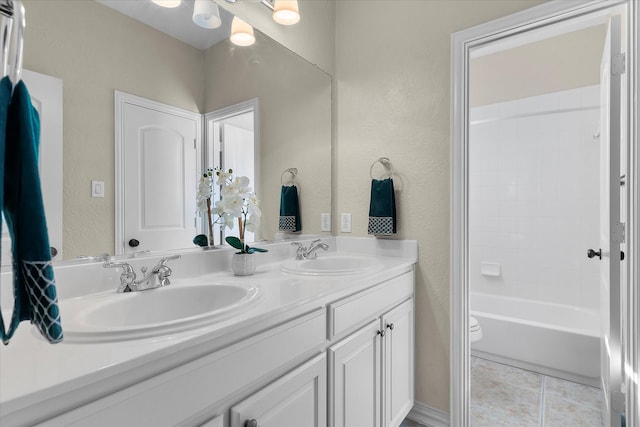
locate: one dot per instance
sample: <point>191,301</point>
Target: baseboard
<point>428,416</point>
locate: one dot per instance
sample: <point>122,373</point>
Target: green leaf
<point>235,242</point>
<point>201,240</point>
<point>259,250</point>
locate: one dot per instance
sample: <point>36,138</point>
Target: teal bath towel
<point>289,209</point>
<point>34,284</point>
<point>382,208</point>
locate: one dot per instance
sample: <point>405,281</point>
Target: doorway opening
<point>507,229</point>
<point>231,142</point>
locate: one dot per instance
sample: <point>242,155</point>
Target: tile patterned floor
<point>502,395</point>
<point>410,423</point>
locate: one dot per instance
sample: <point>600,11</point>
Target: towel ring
<point>17,42</point>
<point>384,161</point>
<point>294,174</point>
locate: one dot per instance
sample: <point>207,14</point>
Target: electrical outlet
<point>345,223</point>
<point>325,222</point>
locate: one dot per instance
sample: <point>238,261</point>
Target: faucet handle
<point>301,251</point>
<point>313,242</point>
<point>163,261</point>
<point>127,270</point>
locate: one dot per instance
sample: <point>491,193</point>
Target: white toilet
<point>475,331</point>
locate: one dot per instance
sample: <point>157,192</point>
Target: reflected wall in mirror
<point>96,50</point>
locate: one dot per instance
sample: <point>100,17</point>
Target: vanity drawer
<point>172,397</point>
<point>350,313</point>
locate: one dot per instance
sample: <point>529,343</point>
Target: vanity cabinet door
<point>355,370</point>
<point>297,399</point>
<point>398,344</point>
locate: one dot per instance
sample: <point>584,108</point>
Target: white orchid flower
<point>223,177</point>
<point>205,191</point>
<point>237,199</point>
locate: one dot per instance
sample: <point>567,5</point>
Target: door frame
<point>250,105</point>
<point>120,100</point>
<point>461,44</point>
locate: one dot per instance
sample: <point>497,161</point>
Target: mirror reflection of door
<point>534,209</point>
<point>157,170</point>
<point>231,143</point>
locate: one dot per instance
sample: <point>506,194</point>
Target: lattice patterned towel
<point>34,284</point>
<point>289,209</point>
<point>382,208</point>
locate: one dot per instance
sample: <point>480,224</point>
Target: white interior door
<point>611,232</point>
<point>159,166</point>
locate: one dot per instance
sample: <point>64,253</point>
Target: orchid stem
<point>211,242</point>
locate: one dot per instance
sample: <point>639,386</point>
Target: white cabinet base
<point>297,399</point>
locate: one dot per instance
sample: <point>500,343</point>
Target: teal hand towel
<point>289,209</point>
<point>34,285</point>
<point>382,208</point>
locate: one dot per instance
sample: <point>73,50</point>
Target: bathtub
<point>552,339</point>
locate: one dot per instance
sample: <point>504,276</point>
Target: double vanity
<point>307,342</point>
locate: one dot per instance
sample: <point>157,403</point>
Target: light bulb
<point>286,12</point>
<point>206,14</point>
<point>167,3</point>
<point>241,33</point>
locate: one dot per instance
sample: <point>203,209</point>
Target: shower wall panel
<point>534,198</point>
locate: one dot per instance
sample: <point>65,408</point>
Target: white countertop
<point>36,374</point>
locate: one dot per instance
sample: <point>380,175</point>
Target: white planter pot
<point>243,264</point>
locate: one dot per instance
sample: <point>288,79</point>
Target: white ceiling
<point>175,22</point>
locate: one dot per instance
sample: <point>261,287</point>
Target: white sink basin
<point>132,315</point>
<point>330,265</point>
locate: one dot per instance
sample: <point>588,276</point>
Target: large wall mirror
<point>96,50</point>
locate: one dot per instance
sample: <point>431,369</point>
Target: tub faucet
<point>311,251</point>
<point>157,277</point>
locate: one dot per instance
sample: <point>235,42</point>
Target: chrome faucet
<point>311,251</point>
<point>157,277</point>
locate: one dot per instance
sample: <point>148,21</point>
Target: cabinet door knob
<point>134,243</point>
<point>390,326</point>
<point>251,423</point>
<point>381,332</point>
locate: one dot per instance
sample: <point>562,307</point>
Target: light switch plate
<point>325,222</point>
<point>345,222</point>
<point>97,188</point>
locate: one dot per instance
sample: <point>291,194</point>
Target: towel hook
<point>294,174</point>
<point>384,161</point>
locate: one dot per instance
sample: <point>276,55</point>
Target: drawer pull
<point>251,423</point>
<point>390,326</point>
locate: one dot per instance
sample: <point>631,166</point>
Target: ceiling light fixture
<point>206,14</point>
<point>241,33</point>
<point>167,3</point>
<point>285,12</point>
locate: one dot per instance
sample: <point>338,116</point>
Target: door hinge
<point>618,232</point>
<point>618,64</point>
<point>194,143</point>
